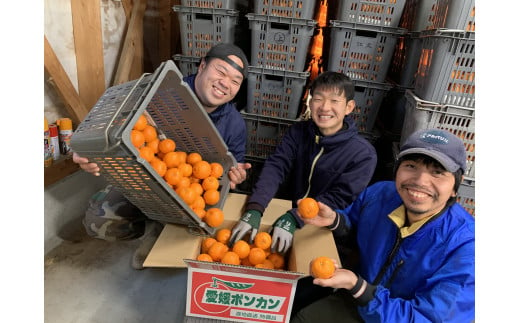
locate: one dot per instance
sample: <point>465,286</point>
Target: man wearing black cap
<point>110,216</point>
<point>416,244</point>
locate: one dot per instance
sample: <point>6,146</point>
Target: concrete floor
<point>92,281</point>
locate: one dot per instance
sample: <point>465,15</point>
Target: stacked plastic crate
<point>203,24</point>
<point>362,41</point>
<point>281,33</point>
<point>442,95</point>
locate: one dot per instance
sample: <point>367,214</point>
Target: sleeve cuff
<point>255,206</point>
<point>363,292</point>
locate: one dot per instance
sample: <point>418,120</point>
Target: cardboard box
<point>240,293</point>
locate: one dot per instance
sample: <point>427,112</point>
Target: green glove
<point>250,220</point>
<point>283,231</point>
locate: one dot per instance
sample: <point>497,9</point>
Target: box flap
<point>173,245</point>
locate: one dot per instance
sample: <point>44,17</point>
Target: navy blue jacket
<point>229,123</point>
<point>344,165</point>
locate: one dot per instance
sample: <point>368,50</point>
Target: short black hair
<point>334,80</point>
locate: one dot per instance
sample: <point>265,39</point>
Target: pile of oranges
<point>195,180</point>
<point>257,254</point>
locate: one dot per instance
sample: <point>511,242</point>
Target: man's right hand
<point>85,165</point>
<point>250,221</point>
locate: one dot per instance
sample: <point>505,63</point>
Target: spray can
<point>55,142</point>
<point>47,152</point>
<point>65,133</point>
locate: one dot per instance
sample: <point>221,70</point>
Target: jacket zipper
<point>389,259</point>
<point>312,171</point>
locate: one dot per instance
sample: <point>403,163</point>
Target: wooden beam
<point>157,28</point>
<point>88,41</point>
<point>66,90</point>
<point>133,40</point>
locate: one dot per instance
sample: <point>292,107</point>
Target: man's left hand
<point>238,174</point>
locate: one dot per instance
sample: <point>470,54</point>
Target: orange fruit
<point>198,203</point>
<point>256,256</point>
<point>214,217</point>
<point>146,153</point>
<point>192,158</point>
<point>277,260</point>
<point>172,176</point>
<point>204,257</point>
<point>211,197</point>
<point>186,194</point>
<point>159,166</point>
<point>217,250</point>
<point>140,123</point>
<point>183,182</point>
<point>206,243</point>
<point>172,159</point>
<point>154,144</point>
<point>322,267</point>
<point>223,235</point>
<point>216,169</point>
<point>185,169</point>
<point>210,183</point>
<point>167,145</point>
<point>182,156</point>
<point>201,213</point>
<point>197,188</point>
<point>149,133</point>
<point>267,264</point>
<point>230,258</point>
<point>263,240</point>
<point>201,169</point>
<point>137,138</point>
<point>308,208</point>
<point>241,248</point>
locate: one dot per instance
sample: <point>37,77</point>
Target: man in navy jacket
<point>110,216</point>
<point>324,158</point>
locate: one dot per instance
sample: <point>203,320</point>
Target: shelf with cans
<point>433,67</point>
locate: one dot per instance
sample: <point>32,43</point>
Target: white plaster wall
<point>66,201</point>
<point>59,32</point>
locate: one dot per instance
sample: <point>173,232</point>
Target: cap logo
<point>434,137</point>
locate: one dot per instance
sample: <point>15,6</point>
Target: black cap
<point>224,50</point>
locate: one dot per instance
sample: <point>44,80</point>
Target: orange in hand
<point>322,267</point>
<point>308,208</point>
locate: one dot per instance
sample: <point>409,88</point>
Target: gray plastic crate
<point>446,70</point>
<point>362,52</point>
<point>419,15</point>
<point>187,64</point>
<point>275,93</point>
<point>104,138</point>
<point>280,43</point>
<point>202,28</point>
<point>368,97</point>
<point>460,14</point>
<point>466,195</point>
<point>264,134</point>
<point>405,60</point>
<point>302,9</point>
<point>386,13</point>
<point>219,4</point>
<point>422,114</point>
